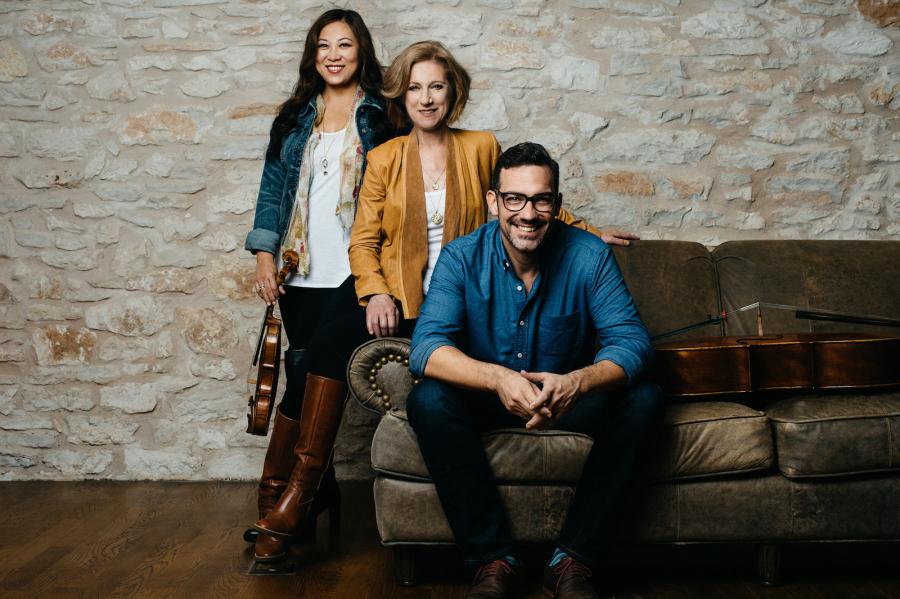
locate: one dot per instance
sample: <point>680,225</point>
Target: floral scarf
<point>351,164</point>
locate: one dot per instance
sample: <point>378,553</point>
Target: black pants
<point>327,325</point>
<point>449,422</point>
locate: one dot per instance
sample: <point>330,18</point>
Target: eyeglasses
<point>542,202</point>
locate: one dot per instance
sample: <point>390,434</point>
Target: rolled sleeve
<point>441,320</point>
<point>265,234</point>
<point>624,339</point>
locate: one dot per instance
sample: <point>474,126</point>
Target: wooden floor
<point>108,539</point>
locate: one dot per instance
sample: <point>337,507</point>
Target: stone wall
<point>131,139</point>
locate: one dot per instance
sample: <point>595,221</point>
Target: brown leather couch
<point>761,468</point>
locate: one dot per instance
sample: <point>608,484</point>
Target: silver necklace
<point>436,216</point>
<point>327,151</point>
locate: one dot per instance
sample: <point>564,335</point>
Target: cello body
<point>746,364</point>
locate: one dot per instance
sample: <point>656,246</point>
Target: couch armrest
<point>378,374</point>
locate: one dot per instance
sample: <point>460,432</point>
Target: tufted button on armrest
<point>378,374</point>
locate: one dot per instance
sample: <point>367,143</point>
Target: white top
<point>435,202</point>
<point>328,241</point>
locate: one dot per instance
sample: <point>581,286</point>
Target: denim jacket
<point>280,177</point>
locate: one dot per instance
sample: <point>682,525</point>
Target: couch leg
<point>769,564</point>
<point>405,566</point>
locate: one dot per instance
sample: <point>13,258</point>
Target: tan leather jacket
<point>389,243</point>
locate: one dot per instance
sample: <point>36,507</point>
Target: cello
<point>267,358</point>
<point>802,361</point>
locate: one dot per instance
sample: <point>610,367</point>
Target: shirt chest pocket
<point>559,335</point>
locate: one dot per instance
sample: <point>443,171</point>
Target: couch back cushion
<point>673,284</point>
<point>859,277</point>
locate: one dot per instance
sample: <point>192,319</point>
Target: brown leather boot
<point>277,466</point>
<point>323,406</point>
<point>279,462</point>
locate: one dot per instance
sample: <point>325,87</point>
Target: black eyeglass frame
<point>557,200</point>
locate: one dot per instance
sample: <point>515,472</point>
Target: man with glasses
<point>507,338</point>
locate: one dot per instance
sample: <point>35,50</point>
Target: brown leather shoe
<point>494,580</point>
<point>569,579</point>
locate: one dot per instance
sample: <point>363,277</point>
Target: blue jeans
<point>449,423</point>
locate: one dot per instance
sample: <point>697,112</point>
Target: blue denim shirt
<point>477,304</point>
<point>280,177</point>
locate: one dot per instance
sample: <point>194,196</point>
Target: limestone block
<point>100,430</point>
<point>179,280</point>
<point>588,124</point>
<point>161,125</point>
<point>77,260</point>
<point>694,189</point>
<point>834,161</point>
<point>63,344</point>
<point>132,316</point>
<point>557,141</point>
<point>749,221</point>
<point>828,8</point>
<point>12,62</point>
<point>212,401</point>
<point>111,85</point>
<point>744,157</point>
<point>653,146</point>
<point>721,24</point>
<point>172,30</point>
<point>70,398</point>
<point>820,186</point>
<point>27,93</point>
<point>66,144</point>
<point>733,47</point>
<point>208,330</point>
<point>182,228</point>
<point>220,370</point>
<point>457,28</point>
<point>626,183</point>
<point>504,54</point>
<point>25,422</point>
<point>486,111</point>
<point>239,201</point>
<point>178,256</point>
<point>628,64</point>
<point>883,13</point>
<point>857,39</point>
<point>571,73</point>
<point>152,61</point>
<point>65,56</point>
<point>672,218</point>
<point>205,85</point>
<point>79,463</point>
<point>44,312</point>
<point>7,399</point>
<point>219,241</point>
<point>42,22</point>
<point>642,9</point>
<point>35,439</point>
<point>231,278</point>
<point>16,460</point>
<point>248,149</point>
<point>845,104</point>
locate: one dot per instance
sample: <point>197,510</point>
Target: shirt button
<point>521,323</point>
<point>518,288</point>
<point>519,355</point>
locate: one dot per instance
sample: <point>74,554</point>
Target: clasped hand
<point>540,398</point>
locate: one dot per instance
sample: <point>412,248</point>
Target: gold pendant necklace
<point>436,216</point>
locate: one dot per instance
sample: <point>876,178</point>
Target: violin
<point>803,361</point>
<point>268,359</point>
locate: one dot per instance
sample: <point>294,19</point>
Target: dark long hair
<point>310,83</point>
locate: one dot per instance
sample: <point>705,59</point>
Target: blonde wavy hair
<point>396,80</point>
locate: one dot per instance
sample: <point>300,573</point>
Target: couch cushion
<point>673,284</point>
<point>833,435</point>
<point>515,455</point>
<point>712,438</point>
<point>824,274</point>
